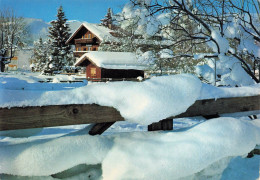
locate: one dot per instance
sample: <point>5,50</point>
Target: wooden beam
<point>99,128</point>
<point>57,115</point>
<point>209,107</point>
<point>60,115</point>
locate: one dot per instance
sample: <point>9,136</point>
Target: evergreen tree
<point>59,34</point>
<point>41,53</point>
<point>108,20</point>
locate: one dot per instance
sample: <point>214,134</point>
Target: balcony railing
<point>88,41</point>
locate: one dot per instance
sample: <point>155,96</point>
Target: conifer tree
<point>59,34</point>
<point>41,53</point>
<point>108,20</point>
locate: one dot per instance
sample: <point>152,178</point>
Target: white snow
<point>229,70</point>
<point>144,155</point>
<point>212,92</point>
<point>148,57</point>
<point>98,30</point>
<point>166,53</point>
<point>195,149</point>
<point>142,102</point>
<point>222,42</point>
<point>198,147</point>
<point>206,72</point>
<point>112,60</point>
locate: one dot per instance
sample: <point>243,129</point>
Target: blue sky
<point>83,10</point>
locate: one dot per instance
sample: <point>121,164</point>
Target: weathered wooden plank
<point>99,128</point>
<point>57,115</point>
<point>209,107</point>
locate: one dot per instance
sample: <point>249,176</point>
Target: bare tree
<point>12,35</point>
<point>248,14</point>
<point>211,23</point>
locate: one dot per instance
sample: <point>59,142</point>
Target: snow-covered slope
<point>38,28</point>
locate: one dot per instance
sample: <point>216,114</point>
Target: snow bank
<point>212,92</point>
<point>175,155</point>
<point>242,168</point>
<point>144,102</point>
<point>142,155</point>
<point>53,156</point>
<point>139,102</point>
<point>32,83</point>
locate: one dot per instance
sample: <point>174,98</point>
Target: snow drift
<point>142,102</point>
<point>143,155</point>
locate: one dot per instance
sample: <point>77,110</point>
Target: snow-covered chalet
<point>101,64</point>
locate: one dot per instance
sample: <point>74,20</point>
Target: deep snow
<point>143,155</point>
<point>195,149</point>
<point>139,102</point>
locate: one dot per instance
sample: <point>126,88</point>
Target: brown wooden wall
<point>84,41</point>
<point>89,71</point>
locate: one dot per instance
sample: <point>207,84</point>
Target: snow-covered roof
<point>100,31</point>
<point>112,60</point>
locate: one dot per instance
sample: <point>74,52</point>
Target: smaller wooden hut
<point>113,65</point>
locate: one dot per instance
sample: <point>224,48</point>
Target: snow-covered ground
<point>195,149</point>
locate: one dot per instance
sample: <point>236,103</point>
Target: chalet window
<point>89,36</point>
<point>94,49</point>
<point>85,49</point>
<point>79,49</point>
<point>93,71</point>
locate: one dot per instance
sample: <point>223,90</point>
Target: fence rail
<point>103,117</point>
<point>114,79</point>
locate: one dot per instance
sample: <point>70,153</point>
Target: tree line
<point>53,54</point>
<point>221,37</point>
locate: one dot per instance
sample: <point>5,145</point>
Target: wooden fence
<point>103,117</point>
<point>114,79</point>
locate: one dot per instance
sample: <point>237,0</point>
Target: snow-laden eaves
<point>101,32</point>
<point>112,60</point>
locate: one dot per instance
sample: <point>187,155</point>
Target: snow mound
<point>212,92</point>
<point>141,102</point>
<point>180,154</point>
<point>47,157</point>
<point>143,155</point>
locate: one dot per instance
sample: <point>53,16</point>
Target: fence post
<point>165,125</point>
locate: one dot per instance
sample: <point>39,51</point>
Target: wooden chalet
<point>88,38</point>
<point>102,65</point>
<point>116,65</point>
